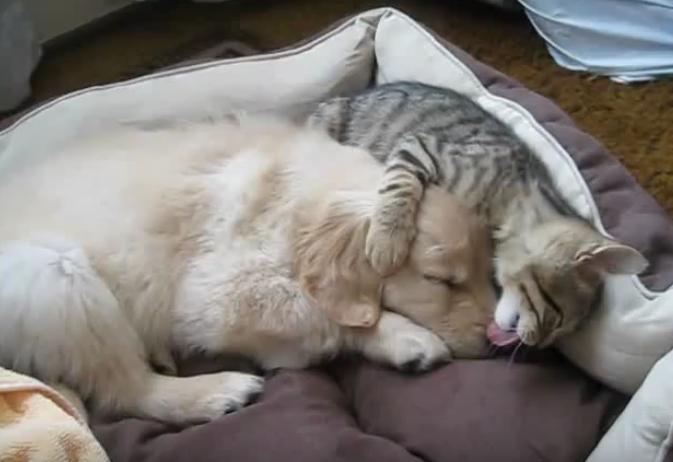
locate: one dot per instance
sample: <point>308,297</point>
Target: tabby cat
<point>549,262</point>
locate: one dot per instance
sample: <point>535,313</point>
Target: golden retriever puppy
<point>128,247</point>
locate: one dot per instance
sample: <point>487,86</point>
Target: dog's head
<point>445,284</point>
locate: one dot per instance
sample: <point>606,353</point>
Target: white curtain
<point>628,40</point>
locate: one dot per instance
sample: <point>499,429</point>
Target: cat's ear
<point>333,269</point>
<point>613,258</point>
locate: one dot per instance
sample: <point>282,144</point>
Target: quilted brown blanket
<point>536,408</point>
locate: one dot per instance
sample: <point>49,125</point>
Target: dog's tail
<point>61,323</point>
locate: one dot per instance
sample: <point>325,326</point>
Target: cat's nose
<point>514,322</point>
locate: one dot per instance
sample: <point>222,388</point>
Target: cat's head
<point>552,278</point>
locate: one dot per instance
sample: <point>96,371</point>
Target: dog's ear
<point>331,265</point>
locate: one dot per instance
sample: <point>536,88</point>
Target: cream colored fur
<point>127,247</point>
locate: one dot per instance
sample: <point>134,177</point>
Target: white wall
<point>55,17</point>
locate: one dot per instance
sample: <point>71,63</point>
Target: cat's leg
<point>61,323</point>
<point>397,341</point>
<point>410,167</point>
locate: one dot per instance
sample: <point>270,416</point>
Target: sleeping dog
<point>123,248</point>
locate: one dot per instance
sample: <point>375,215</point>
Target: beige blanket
<point>38,424</point>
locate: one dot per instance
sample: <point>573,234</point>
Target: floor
<point>634,122</point>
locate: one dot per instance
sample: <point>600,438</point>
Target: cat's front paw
<point>388,247</point>
<point>528,332</point>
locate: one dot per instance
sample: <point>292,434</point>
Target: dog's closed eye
<point>450,282</point>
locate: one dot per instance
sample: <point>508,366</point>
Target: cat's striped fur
<point>439,136</point>
<point>549,261</point>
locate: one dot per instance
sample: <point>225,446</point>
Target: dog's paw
<point>232,392</point>
<point>418,351</point>
<point>387,247</point>
<point>195,399</point>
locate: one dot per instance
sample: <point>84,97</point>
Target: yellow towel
<point>38,424</point>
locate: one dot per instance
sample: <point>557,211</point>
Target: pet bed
<point>546,406</point>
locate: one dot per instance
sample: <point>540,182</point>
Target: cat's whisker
<point>492,350</point>
<point>513,355</point>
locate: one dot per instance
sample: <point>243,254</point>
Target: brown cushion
<point>303,416</point>
<point>540,409</point>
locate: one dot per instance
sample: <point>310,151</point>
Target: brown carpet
<point>634,122</point>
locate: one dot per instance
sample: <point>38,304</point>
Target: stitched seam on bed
<point>666,445</point>
<point>194,67</point>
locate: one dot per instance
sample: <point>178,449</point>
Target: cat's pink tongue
<point>500,337</point>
